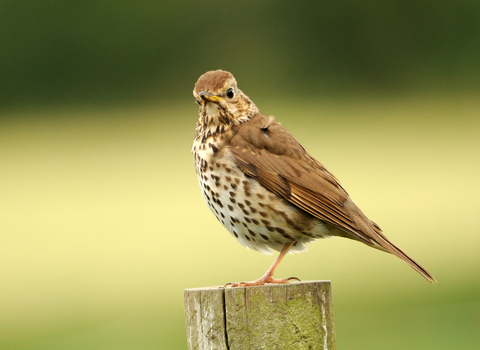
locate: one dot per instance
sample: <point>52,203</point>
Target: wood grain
<point>289,316</point>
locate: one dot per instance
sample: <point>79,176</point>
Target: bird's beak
<point>208,97</point>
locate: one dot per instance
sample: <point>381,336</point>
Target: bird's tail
<point>389,247</point>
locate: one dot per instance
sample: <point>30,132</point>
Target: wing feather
<point>293,174</point>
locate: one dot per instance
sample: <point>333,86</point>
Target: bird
<point>264,187</point>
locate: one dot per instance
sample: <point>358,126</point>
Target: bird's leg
<point>267,278</point>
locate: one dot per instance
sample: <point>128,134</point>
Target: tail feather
<point>389,247</point>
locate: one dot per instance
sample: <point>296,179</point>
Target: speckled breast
<point>256,217</point>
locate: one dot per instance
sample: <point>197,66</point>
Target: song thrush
<point>263,186</point>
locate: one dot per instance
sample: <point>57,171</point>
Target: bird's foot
<point>262,281</point>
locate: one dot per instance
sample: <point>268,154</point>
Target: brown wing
<point>267,151</point>
<point>264,149</point>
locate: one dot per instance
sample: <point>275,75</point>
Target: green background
<point>102,223</point>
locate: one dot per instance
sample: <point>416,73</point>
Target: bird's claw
<point>260,282</point>
<point>234,284</point>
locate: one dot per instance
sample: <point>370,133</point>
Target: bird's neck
<point>212,126</point>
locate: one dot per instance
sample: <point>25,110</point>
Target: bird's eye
<point>230,93</point>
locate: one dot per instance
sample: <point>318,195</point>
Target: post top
<point>270,285</point>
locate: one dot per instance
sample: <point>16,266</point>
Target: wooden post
<point>274,316</point>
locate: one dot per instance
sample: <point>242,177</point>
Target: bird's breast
<point>256,217</point>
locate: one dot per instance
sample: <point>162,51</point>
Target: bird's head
<point>222,103</point>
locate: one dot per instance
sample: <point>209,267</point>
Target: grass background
<point>103,224</point>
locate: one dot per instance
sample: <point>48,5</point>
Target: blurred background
<point>102,223</point>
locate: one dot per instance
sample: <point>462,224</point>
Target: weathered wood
<point>274,316</point>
